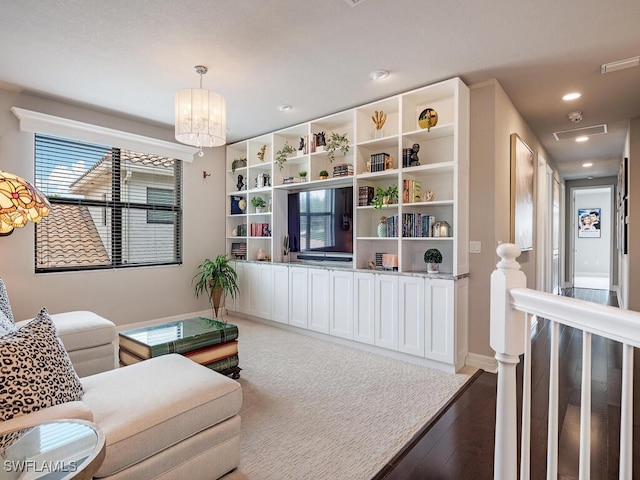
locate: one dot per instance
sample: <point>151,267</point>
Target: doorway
<point>592,237</point>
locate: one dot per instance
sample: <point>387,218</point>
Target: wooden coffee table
<point>208,342</point>
<point>60,449</point>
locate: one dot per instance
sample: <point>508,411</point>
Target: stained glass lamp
<point>20,202</point>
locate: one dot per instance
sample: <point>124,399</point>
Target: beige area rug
<point>316,410</point>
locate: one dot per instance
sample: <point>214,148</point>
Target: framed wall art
<point>589,222</point>
<point>522,193</point>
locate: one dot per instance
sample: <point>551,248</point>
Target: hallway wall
<point>593,255</point>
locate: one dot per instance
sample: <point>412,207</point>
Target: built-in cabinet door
<point>386,311</point>
<point>280,293</point>
<point>319,297</point>
<point>439,320</point>
<point>242,298</point>
<point>341,314</point>
<point>411,322</point>
<point>265,291</point>
<point>363,307</point>
<point>253,280</point>
<point>298,296</point>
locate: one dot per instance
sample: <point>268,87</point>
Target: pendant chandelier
<point>20,202</point>
<point>201,116</point>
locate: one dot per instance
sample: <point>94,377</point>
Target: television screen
<point>320,220</point>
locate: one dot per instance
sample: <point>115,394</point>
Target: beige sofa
<point>164,418</point>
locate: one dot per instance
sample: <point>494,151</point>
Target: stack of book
<point>343,170</point>
<point>241,230</point>
<point>365,195</point>
<point>411,191</point>
<point>378,161</point>
<point>406,157</point>
<point>208,342</point>
<point>260,230</point>
<point>392,226</point>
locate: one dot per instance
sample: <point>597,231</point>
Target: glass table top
<point>172,331</point>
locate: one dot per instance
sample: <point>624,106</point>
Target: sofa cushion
<point>147,407</point>
<point>81,329</point>
<point>6,315</point>
<point>35,370</point>
<point>6,325</point>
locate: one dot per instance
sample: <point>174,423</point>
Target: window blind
<point>317,228</point>
<point>110,207</point>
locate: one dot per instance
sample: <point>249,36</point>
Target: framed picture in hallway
<point>522,193</point>
<point>589,222</point>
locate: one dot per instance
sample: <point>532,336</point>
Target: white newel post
<point>507,339</point>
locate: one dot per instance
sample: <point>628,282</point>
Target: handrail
<point>609,322</point>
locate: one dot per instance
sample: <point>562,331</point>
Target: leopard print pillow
<point>6,315</point>
<point>35,369</point>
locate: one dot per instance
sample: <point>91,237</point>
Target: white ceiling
<point>131,56</point>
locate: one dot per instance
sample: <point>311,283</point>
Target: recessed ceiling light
<point>582,139</point>
<point>589,177</point>
<point>571,96</point>
<point>285,108</point>
<point>587,164</point>
<point>378,74</point>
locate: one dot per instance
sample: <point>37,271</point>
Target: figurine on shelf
<point>240,183</point>
<point>320,139</point>
<point>414,161</point>
<point>428,196</point>
<point>301,146</point>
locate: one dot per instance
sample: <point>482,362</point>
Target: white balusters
<point>552,434</point>
<point>626,414</point>
<point>525,449</point>
<point>585,409</point>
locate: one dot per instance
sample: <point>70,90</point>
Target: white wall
<point>592,256</point>
<point>127,295</point>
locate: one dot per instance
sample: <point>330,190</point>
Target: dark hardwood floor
<point>459,442</point>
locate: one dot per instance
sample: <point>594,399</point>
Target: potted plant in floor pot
<point>259,204</point>
<point>217,278</point>
<point>433,259</point>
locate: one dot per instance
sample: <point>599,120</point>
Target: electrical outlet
<point>475,247</point>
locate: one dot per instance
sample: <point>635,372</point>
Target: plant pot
<point>386,200</point>
<point>260,209</point>
<point>433,267</point>
<point>323,177</point>
<point>216,300</point>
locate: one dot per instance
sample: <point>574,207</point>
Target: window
<point>316,219</point>
<point>110,207</point>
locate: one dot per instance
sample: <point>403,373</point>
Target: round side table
<point>58,450</point>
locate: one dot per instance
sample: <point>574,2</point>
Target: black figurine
<point>414,161</point>
<point>240,183</point>
<point>320,139</point>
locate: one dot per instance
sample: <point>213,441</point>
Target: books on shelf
<point>381,162</point>
<point>260,230</point>
<point>343,170</point>
<point>411,191</point>
<point>417,224</point>
<point>365,196</point>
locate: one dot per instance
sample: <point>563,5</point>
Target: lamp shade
<point>20,202</point>
<point>201,118</point>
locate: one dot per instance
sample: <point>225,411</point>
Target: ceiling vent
<point>353,3</point>
<point>581,132</point>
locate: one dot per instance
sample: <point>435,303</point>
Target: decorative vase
<point>378,133</point>
<point>433,267</point>
<point>382,227</point>
<point>428,118</point>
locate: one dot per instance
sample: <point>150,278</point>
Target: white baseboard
<point>158,321</point>
<point>488,364</point>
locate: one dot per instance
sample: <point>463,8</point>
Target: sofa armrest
<point>70,410</point>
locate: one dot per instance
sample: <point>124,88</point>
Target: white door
<point>411,319</point>
<point>593,220</point>
<point>341,314</point>
<point>318,299</point>
<point>386,311</point>
<point>363,307</point>
<point>298,295</point>
<point>280,293</point>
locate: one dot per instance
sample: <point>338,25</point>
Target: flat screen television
<point>320,224</point>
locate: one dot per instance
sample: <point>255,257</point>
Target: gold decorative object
<point>20,202</point>
<point>261,153</point>
<point>428,196</point>
<point>428,118</point>
<point>379,118</point>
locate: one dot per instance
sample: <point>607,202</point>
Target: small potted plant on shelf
<point>337,142</point>
<point>259,204</point>
<point>323,174</point>
<point>303,176</point>
<point>283,153</point>
<point>218,279</point>
<point>385,196</point>
<point>238,163</point>
<point>433,259</point>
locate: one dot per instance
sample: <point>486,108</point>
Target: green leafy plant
<point>385,196</point>
<point>217,278</point>
<point>337,142</point>
<point>302,174</point>
<point>237,163</point>
<point>323,173</point>
<point>281,155</point>
<point>432,255</point>
<point>258,202</point>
